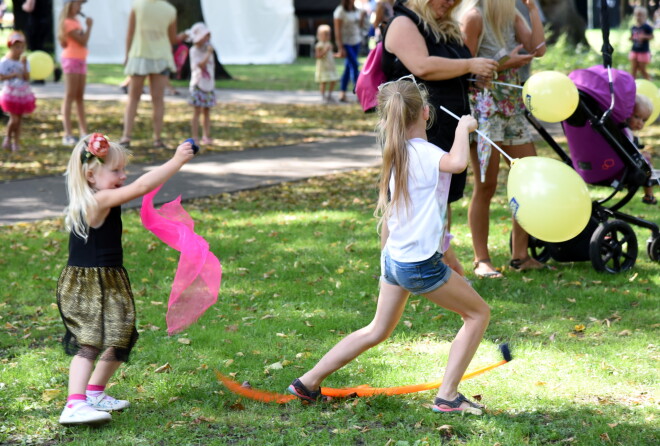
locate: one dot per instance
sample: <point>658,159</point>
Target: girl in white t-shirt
<point>412,203</point>
<point>202,80</point>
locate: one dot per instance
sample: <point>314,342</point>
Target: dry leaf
<point>163,368</point>
<point>50,394</point>
<point>184,341</point>
<point>605,437</point>
<point>625,333</point>
<point>155,302</point>
<point>407,324</point>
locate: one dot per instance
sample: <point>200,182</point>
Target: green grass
<point>300,263</point>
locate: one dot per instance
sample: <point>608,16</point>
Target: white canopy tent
<point>242,32</point>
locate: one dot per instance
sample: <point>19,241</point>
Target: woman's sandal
<point>126,144</point>
<point>487,275</point>
<point>159,144</point>
<point>299,390</point>
<point>455,405</point>
<point>649,199</point>
<point>519,265</point>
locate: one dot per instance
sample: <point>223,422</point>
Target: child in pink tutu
<point>16,98</point>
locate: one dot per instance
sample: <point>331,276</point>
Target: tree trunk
<point>563,18</point>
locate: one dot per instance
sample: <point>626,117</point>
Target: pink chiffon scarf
<point>198,275</point>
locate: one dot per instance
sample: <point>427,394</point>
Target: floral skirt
<point>18,99</point>
<point>201,98</point>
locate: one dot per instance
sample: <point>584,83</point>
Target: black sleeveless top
<point>103,246</point>
<point>452,93</point>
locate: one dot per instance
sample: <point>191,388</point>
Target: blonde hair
<point>643,104</point>
<point>498,15</point>
<point>643,10</point>
<point>443,29</point>
<point>399,106</point>
<point>80,193</point>
<point>321,29</point>
<point>64,14</point>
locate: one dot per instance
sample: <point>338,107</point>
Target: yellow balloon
<point>41,65</point>
<point>548,198</point>
<point>550,96</point>
<point>648,89</point>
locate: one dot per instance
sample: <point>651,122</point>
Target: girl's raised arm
<point>109,198</point>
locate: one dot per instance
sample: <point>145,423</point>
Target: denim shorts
<point>416,277</point>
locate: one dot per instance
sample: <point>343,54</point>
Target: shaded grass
<point>300,267</point>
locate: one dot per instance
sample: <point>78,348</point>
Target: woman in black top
<point>425,40</point>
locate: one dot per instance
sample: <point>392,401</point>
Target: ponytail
<point>400,103</point>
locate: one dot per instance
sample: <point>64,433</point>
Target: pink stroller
<point>602,154</point>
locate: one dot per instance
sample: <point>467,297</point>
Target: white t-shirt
<point>350,25</point>
<point>418,232</point>
<point>203,78</point>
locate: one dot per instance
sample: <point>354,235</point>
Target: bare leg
<point>457,296</point>
<point>450,258</point>
<point>79,373</point>
<point>520,238</point>
<point>17,130</point>
<point>479,210</point>
<point>135,86</point>
<point>206,130</point>
<point>78,93</point>
<point>391,303</point>
<point>194,128</point>
<point>322,87</point>
<point>103,372</point>
<point>69,83</point>
<point>12,125</point>
<point>157,84</point>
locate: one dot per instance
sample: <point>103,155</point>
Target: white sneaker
<point>83,414</point>
<point>69,140</point>
<point>107,403</point>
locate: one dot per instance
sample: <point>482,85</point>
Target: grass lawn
<point>300,265</point>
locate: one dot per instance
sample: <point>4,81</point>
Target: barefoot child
<point>93,292</point>
<point>202,81</point>
<point>326,72</point>
<point>17,98</point>
<point>416,174</point>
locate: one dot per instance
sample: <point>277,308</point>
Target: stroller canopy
<point>595,83</point>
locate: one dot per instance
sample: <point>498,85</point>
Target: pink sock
<point>75,399</point>
<point>94,390</point>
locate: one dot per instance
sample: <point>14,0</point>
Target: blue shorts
<point>416,277</point>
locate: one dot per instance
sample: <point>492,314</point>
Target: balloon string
<point>498,83</point>
<point>479,132</point>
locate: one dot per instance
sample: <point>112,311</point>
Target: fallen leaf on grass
<point>50,394</point>
<point>625,333</point>
<point>184,341</point>
<point>605,437</point>
<point>164,368</point>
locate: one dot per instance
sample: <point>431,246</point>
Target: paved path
<point>44,197</point>
<point>33,199</point>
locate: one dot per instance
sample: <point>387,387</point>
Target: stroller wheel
<point>538,249</point>
<point>613,247</point>
<point>653,248</point>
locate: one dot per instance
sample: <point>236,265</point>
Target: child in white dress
<point>326,72</point>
